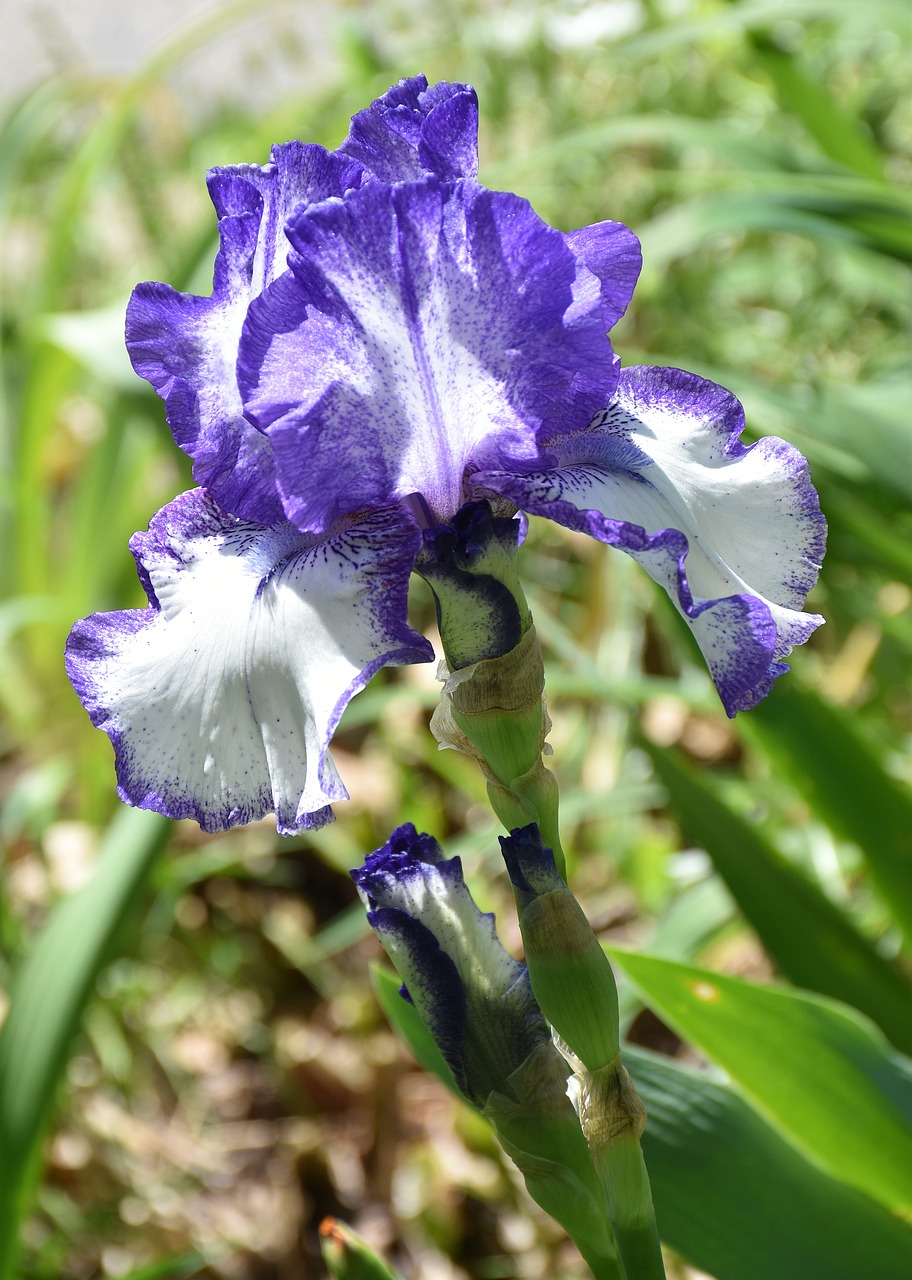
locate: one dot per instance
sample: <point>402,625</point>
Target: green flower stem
<point>574,985</point>
<point>556,1189</point>
<point>613,1118</point>
<point>494,711</point>
<point>539,1130</point>
<point>623,1172</point>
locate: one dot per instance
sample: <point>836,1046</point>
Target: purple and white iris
<point>387,340</point>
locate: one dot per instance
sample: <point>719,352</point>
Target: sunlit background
<point>233,1080</point>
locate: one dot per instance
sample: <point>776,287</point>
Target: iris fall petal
<point>732,531</point>
<point>222,695</point>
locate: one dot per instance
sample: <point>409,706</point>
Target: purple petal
<point>431,981</point>
<point>413,131</point>
<point>222,695</point>
<point>187,346</point>
<point>423,337</point>
<point>733,532</point>
<point>611,258</point>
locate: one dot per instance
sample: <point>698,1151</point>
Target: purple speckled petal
<point>733,532</point>
<point>187,346</point>
<point>414,130</point>
<point>611,262</point>
<point>422,337</point>
<point>222,695</point>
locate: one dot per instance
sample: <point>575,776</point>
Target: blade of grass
<point>835,130</point>
<point>839,773</point>
<point>47,1000</point>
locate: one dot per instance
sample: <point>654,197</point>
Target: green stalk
<point>613,1119</point>
<point>543,1139</point>
<point>574,985</point>
<point>622,1169</point>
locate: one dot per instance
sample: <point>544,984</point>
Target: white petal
<point>733,533</point>
<point>221,697</point>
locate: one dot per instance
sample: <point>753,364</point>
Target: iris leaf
<point>818,1071</point>
<point>811,941</point>
<point>47,1001</point>
<point>740,1202</point>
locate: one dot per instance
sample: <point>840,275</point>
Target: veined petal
<point>733,532</point>
<point>610,259</point>
<point>411,874</point>
<point>414,130</point>
<point>187,346</point>
<point>422,337</point>
<point>221,697</point>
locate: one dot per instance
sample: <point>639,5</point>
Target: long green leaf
<point>812,942</point>
<point>740,1202</point>
<point>835,130</point>
<point>842,778</point>
<point>47,1001</point>
<point>816,1069</point>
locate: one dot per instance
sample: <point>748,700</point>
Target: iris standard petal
<point>415,130</point>
<point>187,346</point>
<point>733,532</point>
<point>610,262</point>
<point>222,695</point>
<point>424,335</point>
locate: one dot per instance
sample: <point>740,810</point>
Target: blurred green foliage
<point>233,1081</point>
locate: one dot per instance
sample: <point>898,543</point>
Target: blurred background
<point>233,1079</point>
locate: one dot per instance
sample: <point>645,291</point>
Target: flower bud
<point>470,565</point>
<point>570,973</point>
<point>493,704</point>
<point>477,1002</point>
<point>472,995</point>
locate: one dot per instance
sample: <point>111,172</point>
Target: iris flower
<point>387,340</point>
